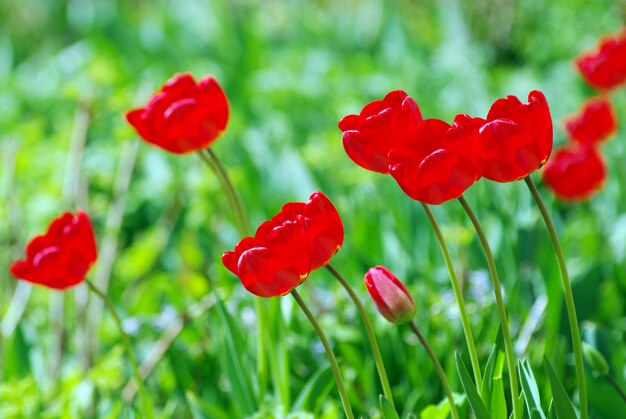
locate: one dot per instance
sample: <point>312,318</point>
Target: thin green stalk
<point>616,386</point>
<point>458,293</point>
<point>241,220</point>
<point>569,298</point>
<point>378,359</point>
<point>504,324</point>
<point>145,402</point>
<point>210,158</point>
<point>331,356</point>
<point>438,368</point>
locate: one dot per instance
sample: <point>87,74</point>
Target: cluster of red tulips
<point>432,161</point>
<point>577,170</point>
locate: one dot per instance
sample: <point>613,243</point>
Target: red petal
<point>266,275</point>
<point>324,229</point>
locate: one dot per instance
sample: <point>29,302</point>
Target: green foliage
<point>562,403</point>
<point>473,397</point>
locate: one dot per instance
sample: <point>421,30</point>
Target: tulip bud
<point>391,297</point>
<point>596,360</point>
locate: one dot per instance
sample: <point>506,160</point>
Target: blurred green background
<point>69,70</point>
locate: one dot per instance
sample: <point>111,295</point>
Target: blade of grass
<point>562,403</point>
<point>475,402</point>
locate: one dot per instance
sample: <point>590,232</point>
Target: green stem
<point>458,293</point>
<point>146,406</point>
<point>438,368</point>
<point>241,220</point>
<point>569,298</point>
<point>616,386</point>
<point>378,359</point>
<point>210,158</point>
<point>331,356</point>
<point>504,324</point>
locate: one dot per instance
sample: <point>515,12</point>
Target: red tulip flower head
<point>438,163</point>
<point>184,116</point>
<point>302,237</point>
<point>62,256</point>
<point>574,174</point>
<point>381,126</point>
<point>516,138</point>
<point>391,297</point>
<point>605,67</point>
<point>594,123</point>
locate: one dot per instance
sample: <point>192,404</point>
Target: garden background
<point>69,70</point>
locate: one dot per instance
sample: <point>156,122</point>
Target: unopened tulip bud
<point>596,360</point>
<point>391,297</point>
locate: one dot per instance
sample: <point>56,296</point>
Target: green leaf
<point>387,409</point>
<point>492,392</point>
<point>16,355</point>
<point>551,413</point>
<point>497,404</point>
<point>475,402</point>
<point>530,390</point>
<point>562,403</point>
<point>238,374</point>
<point>201,409</point>
<point>315,390</point>
<point>433,411</point>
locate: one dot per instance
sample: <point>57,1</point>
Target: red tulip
<point>391,297</point>
<point>516,138</point>
<point>302,237</point>
<point>184,116</point>
<point>594,123</point>
<point>574,174</point>
<point>438,163</point>
<point>62,256</point>
<point>381,126</point>
<point>605,67</point>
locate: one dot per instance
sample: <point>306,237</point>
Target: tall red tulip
<point>61,257</point>
<point>605,66</point>
<point>516,138</point>
<point>184,116</point>
<point>438,163</point>
<point>392,299</point>
<point>594,123</point>
<point>381,126</point>
<point>574,174</point>
<point>302,237</point>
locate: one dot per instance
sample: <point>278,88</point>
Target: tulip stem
<point>210,158</point>
<point>378,359</point>
<point>146,407</point>
<point>438,368</point>
<point>569,298</point>
<point>616,386</point>
<point>458,293</point>
<point>241,220</point>
<point>331,356</point>
<point>504,324</point>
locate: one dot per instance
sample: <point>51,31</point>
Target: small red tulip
<point>574,174</point>
<point>438,163</point>
<point>516,138</point>
<point>594,123</point>
<point>62,256</point>
<point>605,66</point>
<point>391,297</point>
<point>302,237</point>
<point>381,126</point>
<point>184,116</point>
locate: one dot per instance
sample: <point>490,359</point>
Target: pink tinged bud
<point>391,297</point>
